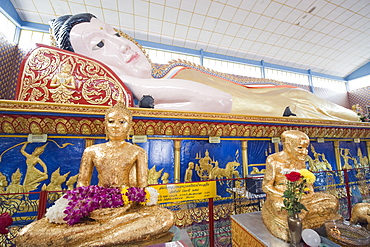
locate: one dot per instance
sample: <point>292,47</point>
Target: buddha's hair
<point>119,107</point>
<point>62,26</point>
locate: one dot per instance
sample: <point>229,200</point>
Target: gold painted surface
<point>245,157</point>
<point>51,76</point>
<point>119,230</point>
<point>242,237</point>
<point>189,172</point>
<point>177,146</point>
<point>361,214</point>
<point>248,126</point>
<point>119,164</point>
<point>321,207</point>
<point>186,217</point>
<point>154,175</point>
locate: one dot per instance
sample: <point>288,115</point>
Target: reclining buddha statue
<point>190,89</point>
<point>120,165</point>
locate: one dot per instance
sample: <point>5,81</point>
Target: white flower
<point>287,171</point>
<point>55,213</point>
<point>153,196</point>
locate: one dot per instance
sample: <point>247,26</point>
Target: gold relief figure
<point>154,175</point>
<point>15,185</point>
<point>71,182</point>
<point>189,172</point>
<point>205,166</point>
<point>325,165</point>
<point>319,163</point>
<point>321,206</point>
<point>3,183</point>
<point>56,181</point>
<point>63,82</point>
<point>33,175</point>
<point>119,164</point>
<point>228,172</point>
<point>165,177</point>
<point>255,170</point>
<point>346,155</point>
<point>364,161</point>
<point>64,78</point>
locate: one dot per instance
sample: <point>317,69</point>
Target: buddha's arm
<point>142,169</point>
<point>86,169</point>
<point>269,178</point>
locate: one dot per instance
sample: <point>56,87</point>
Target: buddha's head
<point>295,144</point>
<point>118,122</point>
<point>89,36</point>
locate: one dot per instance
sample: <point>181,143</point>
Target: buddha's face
<point>117,126</point>
<point>98,40</point>
<point>297,148</point>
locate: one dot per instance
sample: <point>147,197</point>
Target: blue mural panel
<point>160,158</point>
<point>212,158</point>
<point>258,150</point>
<point>37,162</point>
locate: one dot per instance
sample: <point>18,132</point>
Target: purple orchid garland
<point>83,200</point>
<point>136,194</point>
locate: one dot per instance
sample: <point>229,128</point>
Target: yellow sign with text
<point>185,191</point>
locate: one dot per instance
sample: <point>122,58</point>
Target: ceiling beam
<point>360,72</point>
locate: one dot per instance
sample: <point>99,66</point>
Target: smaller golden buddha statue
<point>321,207</point>
<point>122,165</point>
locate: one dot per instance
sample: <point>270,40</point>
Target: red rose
<point>5,221</point>
<point>293,176</point>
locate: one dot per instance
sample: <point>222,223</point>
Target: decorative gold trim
<point>337,155</point>
<point>177,146</point>
<point>88,120</point>
<point>242,237</point>
<point>368,149</point>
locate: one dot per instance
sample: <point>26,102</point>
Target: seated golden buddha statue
<point>320,206</point>
<point>120,165</point>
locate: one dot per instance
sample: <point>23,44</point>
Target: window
<point>28,39</point>
<point>7,27</point>
<point>285,76</point>
<point>359,83</point>
<point>333,85</point>
<point>232,67</point>
<point>163,57</point>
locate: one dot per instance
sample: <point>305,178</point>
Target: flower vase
<point>295,230</point>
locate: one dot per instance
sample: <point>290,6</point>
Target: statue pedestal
<point>181,238</point>
<point>249,230</point>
